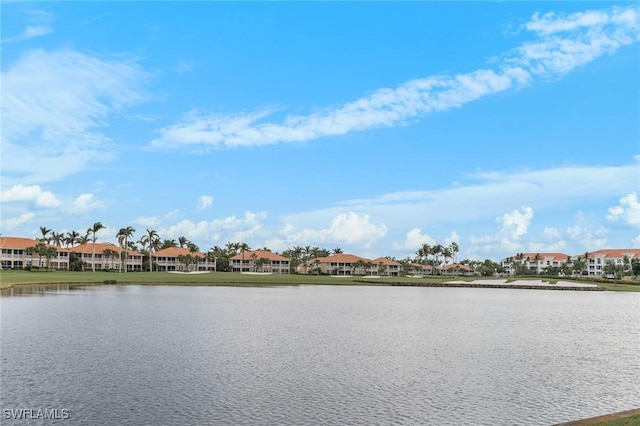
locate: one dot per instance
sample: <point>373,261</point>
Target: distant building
<point>260,261</point>
<point>457,269</point>
<point>386,267</point>
<point>535,262</point>
<point>107,256</point>
<point>596,260</point>
<point>175,259</point>
<point>15,254</point>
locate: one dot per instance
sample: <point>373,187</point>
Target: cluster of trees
<point>436,255</point>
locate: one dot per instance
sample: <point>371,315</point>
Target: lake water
<point>318,355</point>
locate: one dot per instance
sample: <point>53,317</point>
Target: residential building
<point>596,260</point>
<point>177,259</point>
<point>386,267</point>
<point>343,264</point>
<point>15,254</point>
<point>457,269</point>
<point>107,256</point>
<point>536,262</point>
<point>421,269</point>
<point>260,261</point>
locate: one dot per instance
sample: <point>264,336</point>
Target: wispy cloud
<point>12,223</point>
<point>564,42</point>
<point>491,193</point>
<point>31,31</point>
<point>53,104</point>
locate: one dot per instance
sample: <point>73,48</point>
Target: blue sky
<point>375,127</point>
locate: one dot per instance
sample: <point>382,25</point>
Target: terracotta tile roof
<point>18,243</point>
<point>177,251</point>
<point>259,254</point>
<point>420,266</point>
<point>458,266</point>
<point>100,247</point>
<point>615,253</point>
<point>385,261</point>
<point>341,258</point>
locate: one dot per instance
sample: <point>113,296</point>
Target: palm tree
<point>243,247</point>
<point>183,241</point>
<point>83,239</point>
<point>93,231</point>
<point>40,249</point>
<point>123,236</point>
<point>150,240</point>
<point>50,252</point>
<point>337,250</point>
<point>57,238</point>
<point>454,249</point>
<point>436,251</point>
<point>166,243</point>
<point>44,230</point>
<point>72,238</point>
<point>537,258</point>
<point>193,249</point>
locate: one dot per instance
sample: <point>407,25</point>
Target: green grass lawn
<point>10,278</point>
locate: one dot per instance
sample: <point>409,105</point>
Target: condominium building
<point>420,269</point>
<point>386,267</point>
<point>16,254</point>
<point>260,261</point>
<point>349,264</point>
<point>107,256</point>
<point>457,269</point>
<point>596,260</point>
<point>536,262</point>
<point>182,259</point>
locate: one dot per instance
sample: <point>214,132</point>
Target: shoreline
<point>607,419</point>
<point>16,278</point>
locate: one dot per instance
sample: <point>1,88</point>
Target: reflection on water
<point>156,355</point>
<point>44,289</point>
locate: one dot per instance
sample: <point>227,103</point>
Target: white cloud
<point>540,247</point>
<point>345,228</point>
<point>12,223</point>
<point>508,238</point>
<point>585,37</point>
<point>551,23</point>
<point>230,228</point>
<point>586,232</point>
<point>627,211</point>
<point>204,202</point>
<point>414,239</point>
<point>31,31</point>
<point>492,193</point>
<point>51,118</point>
<point>31,193</point>
<point>155,221</point>
<point>517,222</point>
<point>84,203</point>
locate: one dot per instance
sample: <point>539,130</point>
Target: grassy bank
<point>623,418</point>
<point>9,278</point>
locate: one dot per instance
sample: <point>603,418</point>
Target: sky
<point>375,127</point>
